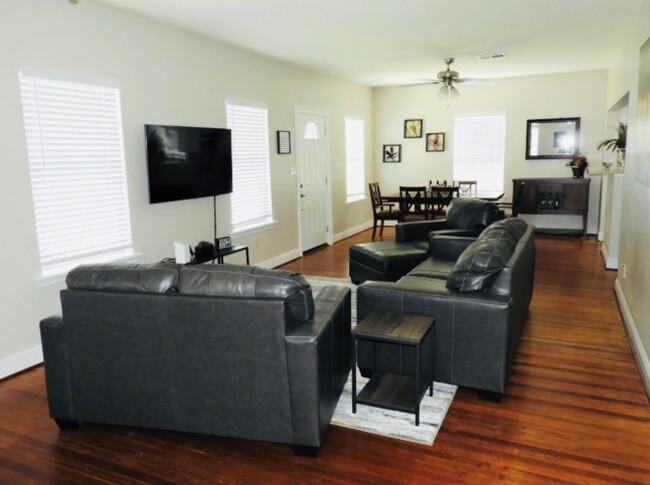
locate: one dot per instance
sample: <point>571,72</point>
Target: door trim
<point>300,110</point>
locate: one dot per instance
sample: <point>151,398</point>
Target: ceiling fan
<point>448,78</point>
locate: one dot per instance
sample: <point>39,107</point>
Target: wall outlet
<point>624,270</point>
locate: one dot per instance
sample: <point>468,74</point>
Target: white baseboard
<point>640,354</point>
<point>295,253</point>
<point>280,260</point>
<point>352,231</point>
<point>21,361</point>
<point>610,262</point>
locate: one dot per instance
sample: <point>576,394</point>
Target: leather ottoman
<point>385,261</point>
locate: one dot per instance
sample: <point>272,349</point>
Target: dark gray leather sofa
<point>390,260</point>
<point>223,350</point>
<point>478,291</point>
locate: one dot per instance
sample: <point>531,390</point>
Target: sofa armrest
<point>57,368</point>
<point>418,230</point>
<point>448,247</point>
<point>319,361</point>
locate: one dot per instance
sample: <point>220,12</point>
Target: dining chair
<point>466,188</point>
<point>441,197</point>
<point>413,203</point>
<point>381,210</point>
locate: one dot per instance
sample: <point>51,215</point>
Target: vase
<point>578,171</point>
<point>620,157</point>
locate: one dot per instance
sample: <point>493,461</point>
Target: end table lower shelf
<point>401,391</point>
<point>391,391</point>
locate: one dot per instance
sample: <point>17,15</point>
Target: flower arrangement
<point>578,161</point>
<point>578,165</point>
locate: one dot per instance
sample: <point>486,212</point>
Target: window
<point>479,151</point>
<point>251,176</point>
<point>354,159</point>
<point>76,163</point>
<point>311,132</point>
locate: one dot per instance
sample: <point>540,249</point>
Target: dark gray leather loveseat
<point>477,289</point>
<point>225,350</point>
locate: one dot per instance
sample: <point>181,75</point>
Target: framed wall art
<point>435,142</point>
<point>413,129</point>
<point>392,153</point>
<point>284,142</point>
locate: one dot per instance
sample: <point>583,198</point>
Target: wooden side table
<point>402,391</point>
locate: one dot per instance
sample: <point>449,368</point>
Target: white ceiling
<point>392,42</point>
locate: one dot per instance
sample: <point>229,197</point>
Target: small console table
<point>552,196</point>
<point>402,391</point>
<point>219,254</point>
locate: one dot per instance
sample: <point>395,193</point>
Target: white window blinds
<point>76,163</point>
<point>354,159</point>
<point>479,151</point>
<point>251,177</point>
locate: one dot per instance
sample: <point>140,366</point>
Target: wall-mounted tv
<point>187,162</point>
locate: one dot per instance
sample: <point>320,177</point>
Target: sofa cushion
<point>466,213</point>
<point>480,264</point>
<point>433,268</point>
<point>144,278</point>
<point>231,280</point>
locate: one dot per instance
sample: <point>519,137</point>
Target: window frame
<point>462,146</point>
<point>264,219</point>
<point>360,193</point>
<point>74,139</point>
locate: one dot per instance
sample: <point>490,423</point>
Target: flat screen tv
<point>187,162</point>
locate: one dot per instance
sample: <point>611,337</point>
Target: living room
<point>150,62</point>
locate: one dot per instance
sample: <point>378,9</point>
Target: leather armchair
<point>465,218</point>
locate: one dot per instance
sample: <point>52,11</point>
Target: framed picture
<point>435,142</point>
<point>413,129</point>
<point>392,153</point>
<point>284,142</point>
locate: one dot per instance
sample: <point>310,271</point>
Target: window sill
<point>56,278</point>
<point>356,201</point>
<point>254,228</point>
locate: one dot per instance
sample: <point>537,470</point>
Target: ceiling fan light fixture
<point>448,92</point>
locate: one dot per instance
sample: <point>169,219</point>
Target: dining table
<point>439,197</point>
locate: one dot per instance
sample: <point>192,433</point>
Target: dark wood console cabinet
<point>552,196</point>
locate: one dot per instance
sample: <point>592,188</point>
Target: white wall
<point>633,279</point>
<point>580,94</point>
<point>166,76</point>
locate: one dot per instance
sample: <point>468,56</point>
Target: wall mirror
<point>553,138</point>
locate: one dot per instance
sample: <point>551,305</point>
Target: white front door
<point>312,149</point>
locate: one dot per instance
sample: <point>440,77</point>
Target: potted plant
<point>578,165</point>
<point>616,144</point>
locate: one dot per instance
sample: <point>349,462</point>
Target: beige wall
<point>633,281</point>
<point>166,76</point>
<point>520,99</point>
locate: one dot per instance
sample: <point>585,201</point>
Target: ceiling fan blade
<point>475,82</point>
<point>422,83</point>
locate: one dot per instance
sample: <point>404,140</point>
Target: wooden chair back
<point>441,197</point>
<point>466,188</point>
<point>413,202</point>
<point>375,196</point>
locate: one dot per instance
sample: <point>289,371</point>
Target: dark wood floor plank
<point>575,410</point>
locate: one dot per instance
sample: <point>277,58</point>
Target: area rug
<point>393,424</point>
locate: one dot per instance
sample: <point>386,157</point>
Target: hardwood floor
<point>574,412</point>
